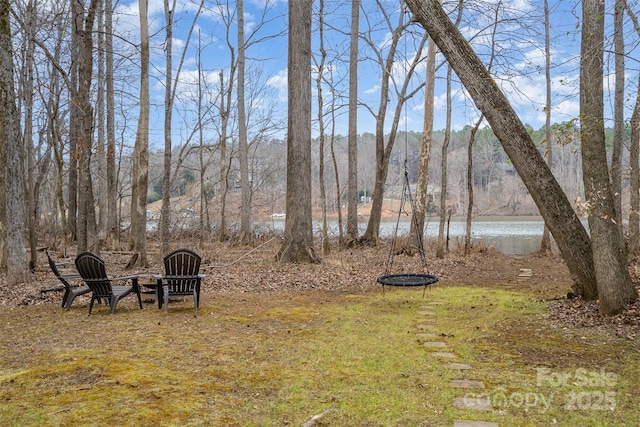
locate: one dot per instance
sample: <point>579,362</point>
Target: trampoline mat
<point>407,279</point>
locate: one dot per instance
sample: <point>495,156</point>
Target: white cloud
<point>374,89</point>
<point>280,83</point>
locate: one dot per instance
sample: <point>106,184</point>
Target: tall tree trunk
<point>470,201</point>
<point>243,145</point>
<point>72,186</point>
<point>27,96</point>
<point>419,209</point>
<point>101,149</point>
<point>634,162</point>
<point>223,235</point>
<point>113,227</point>
<point>618,112</point>
<point>336,171</point>
<point>442,245</point>
<point>545,243</point>
<point>86,231</point>
<point>554,207</point>
<point>352,179</point>
<point>58,146</point>
<point>54,148</point>
<point>472,136</point>
<point>12,159</point>
<point>634,166</point>
<point>140,173</point>
<point>325,247</point>
<point>298,229</point>
<point>204,211</point>
<point>165,210</point>
<point>226,104</point>
<point>615,288</point>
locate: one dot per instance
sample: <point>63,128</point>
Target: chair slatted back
<point>53,265</point>
<point>93,271</point>
<point>181,270</point>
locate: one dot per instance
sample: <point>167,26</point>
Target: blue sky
<point>518,66</point>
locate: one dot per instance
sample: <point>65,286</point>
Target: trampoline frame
<point>407,280</point>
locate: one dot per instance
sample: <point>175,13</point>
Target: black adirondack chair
<point>182,277</point>
<point>72,289</point>
<point>93,271</point>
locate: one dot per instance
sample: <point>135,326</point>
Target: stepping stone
<point>453,365</point>
<point>435,303</point>
<point>427,313</point>
<point>477,403</point>
<point>464,423</point>
<point>435,344</point>
<point>525,272</point>
<point>445,354</point>
<point>425,335</point>
<point>427,307</point>
<point>423,326</point>
<point>467,384</point>
<point>428,320</point>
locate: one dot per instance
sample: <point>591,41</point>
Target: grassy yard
<point>279,358</point>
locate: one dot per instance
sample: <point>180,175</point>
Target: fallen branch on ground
<point>313,420</point>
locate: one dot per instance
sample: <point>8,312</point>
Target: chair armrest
<point>134,280</point>
<point>71,276</point>
<point>124,278</point>
<point>202,276</point>
<point>182,277</point>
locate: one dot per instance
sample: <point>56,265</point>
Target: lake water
<point>509,235</point>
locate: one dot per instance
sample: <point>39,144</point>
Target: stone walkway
<point>439,349</point>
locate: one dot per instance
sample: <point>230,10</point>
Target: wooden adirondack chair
<point>71,289</point>
<point>182,277</point>
<point>93,271</point>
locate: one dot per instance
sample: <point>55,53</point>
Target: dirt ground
<point>237,271</point>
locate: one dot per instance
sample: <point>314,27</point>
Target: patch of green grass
<point>278,359</point>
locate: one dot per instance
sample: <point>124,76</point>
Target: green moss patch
<point>279,358</point>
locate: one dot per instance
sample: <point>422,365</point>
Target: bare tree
<point>171,85</point>
<point>352,182</point>
<point>27,97</point>
<point>100,124</point>
<point>383,151</point>
<point>86,232</point>
<point>205,224</point>
<point>113,228</point>
<point>618,110</point>
<point>298,232</point>
<point>12,223</point>
<point>165,210</point>
<point>419,210</point>
<point>545,243</point>
<point>554,207</point>
<point>325,247</point>
<point>140,174</point>
<point>225,101</point>
<point>615,288</point>
<point>470,194</point>
<point>243,150</point>
<point>634,164</point>
<point>442,244</point>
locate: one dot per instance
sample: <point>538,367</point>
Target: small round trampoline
<point>407,279</point>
